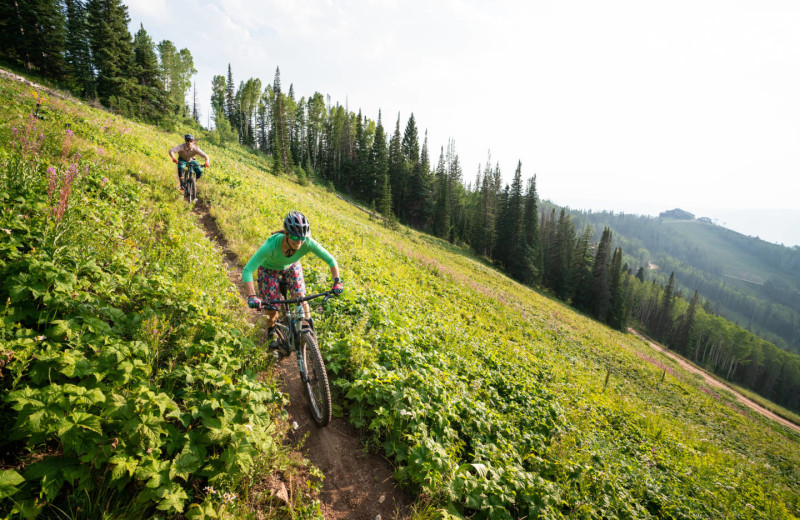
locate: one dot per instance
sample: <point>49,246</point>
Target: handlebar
<point>327,294</point>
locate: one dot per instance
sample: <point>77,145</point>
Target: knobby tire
<point>319,393</point>
<point>191,188</point>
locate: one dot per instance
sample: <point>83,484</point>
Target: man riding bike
<point>186,154</point>
<point>278,260</point>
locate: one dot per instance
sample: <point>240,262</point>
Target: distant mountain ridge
<point>744,279</point>
<point>677,213</point>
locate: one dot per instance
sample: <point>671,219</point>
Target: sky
<point>634,106</point>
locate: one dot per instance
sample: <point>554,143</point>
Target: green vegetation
<point>129,381</point>
<point>497,402</point>
<point>128,375</point>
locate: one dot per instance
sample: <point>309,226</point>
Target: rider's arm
<point>322,253</point>
<point>202,154</point>
<point>174,151</point>
<point>258,259</point>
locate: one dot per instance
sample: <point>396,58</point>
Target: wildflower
<point>249,427</point>
<point>210,490</point>
<point>295,425</point>
<point>41,338</point>
<point>149,451</point>
<point>406,412</point>
<point>229,497</point>
<point>7,231</point>
<point>52,177</point>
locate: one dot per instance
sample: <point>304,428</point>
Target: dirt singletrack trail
<point>357,485</point>
<point>711,381</point>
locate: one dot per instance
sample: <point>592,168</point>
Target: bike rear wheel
<point>319,393</point>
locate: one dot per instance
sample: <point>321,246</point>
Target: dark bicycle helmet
<point>188,137</point>
<point>297,224</point>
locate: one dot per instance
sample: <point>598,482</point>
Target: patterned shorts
<point>269,282</point>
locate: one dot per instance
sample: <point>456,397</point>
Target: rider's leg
<point>194,165</point>
<point>297,286</point>
<point>269,289</point>
<point>181,167</point>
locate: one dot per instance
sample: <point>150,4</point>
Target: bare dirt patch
<point>358,485</point>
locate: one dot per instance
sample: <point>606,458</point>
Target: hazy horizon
<point>775,225</point>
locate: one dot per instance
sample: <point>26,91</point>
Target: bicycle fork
<point>299,355</point>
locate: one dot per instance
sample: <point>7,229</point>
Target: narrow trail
<point>357,485</point>
<point>711,381</point>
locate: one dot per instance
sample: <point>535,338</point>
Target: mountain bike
<point>294,333</point>
<point>189,181</point>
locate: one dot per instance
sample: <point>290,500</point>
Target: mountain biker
<point>186,154</point>
<point>278,259</point>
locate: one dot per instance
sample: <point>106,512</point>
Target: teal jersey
<point>270,256</point>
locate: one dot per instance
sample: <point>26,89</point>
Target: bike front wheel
<point>316,381</point>
<point>191,188</point>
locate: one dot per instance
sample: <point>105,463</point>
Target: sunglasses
<point>296,238</point>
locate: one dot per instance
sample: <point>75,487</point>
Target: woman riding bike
<point>278,260</point>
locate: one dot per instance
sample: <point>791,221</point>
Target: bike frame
<point>292,326</point>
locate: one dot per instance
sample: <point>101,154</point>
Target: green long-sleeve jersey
<point>270,256</point>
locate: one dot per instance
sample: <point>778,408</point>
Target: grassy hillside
<point>747,280</point>
<point>492,400</point>
<point>128,375</point>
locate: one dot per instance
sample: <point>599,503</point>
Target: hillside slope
<point>747,280</point>
<point>492,400</point>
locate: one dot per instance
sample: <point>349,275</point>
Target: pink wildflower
<point>52,178</point>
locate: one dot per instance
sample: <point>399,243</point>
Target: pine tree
<point>601,277</point>
<point>485,210</point>
<point>441,213</point>
<point>617,317</point>
<point>510,228</point>
<point>379,162</point>
<point>397,172</point>
<point>78,54</point>
<point>411,141</point>
<point>280,147</point>
<point>230,99</point>
<point>33,34</point>
<point>112,52</point>
<point>684,333</point>
<point>385,203</point>
<point>664,327</point>
<point>548,231</point>
<point>531,230</point>
<point>582,270</point>
<point>565,240</point>
<point>151,97</point>
<point>455,179</point>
